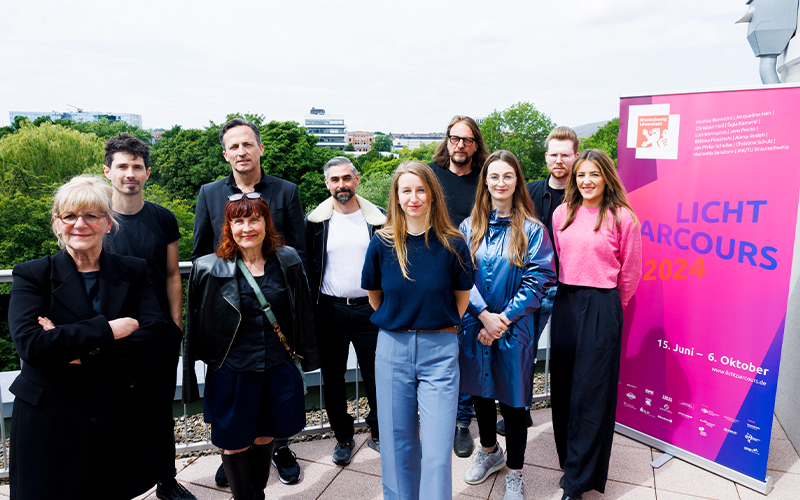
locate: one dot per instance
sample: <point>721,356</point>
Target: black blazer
<point>68,413</point>
<point>282,197</point>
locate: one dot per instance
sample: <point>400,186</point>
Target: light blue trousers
<point>417,371</point>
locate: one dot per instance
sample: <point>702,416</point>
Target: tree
<point>605,138</point>
<point>33,159</point>
<point>349,147</point>
<point>521,129</point>
<point>375,188</point>
<point>423,153</point>
<point>383,164</point>
<point>103,127</point>
<point>382,143</point>
<point>106,129</point>
<point>186,160</point>
<point>291,153</point>
<point>184,212</point>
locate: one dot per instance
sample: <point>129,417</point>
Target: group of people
<point>443,295</point>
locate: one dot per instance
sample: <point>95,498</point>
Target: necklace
<point>417,234</point>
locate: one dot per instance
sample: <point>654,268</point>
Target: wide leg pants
<point>586,343</point>
<point>417,371</point>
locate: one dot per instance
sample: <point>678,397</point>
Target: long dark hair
<point>247,207</point>
<point>614,194</point>
<point>521,210</point>
<point>442,155</point>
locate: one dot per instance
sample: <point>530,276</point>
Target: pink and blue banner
<point>714,181</point>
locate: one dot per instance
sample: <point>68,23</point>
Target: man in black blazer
<point>242,148</point>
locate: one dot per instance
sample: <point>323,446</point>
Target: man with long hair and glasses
<point>242,148</point>
<point>456,164</point>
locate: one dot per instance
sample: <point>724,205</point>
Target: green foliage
<point>605,138</point>
<point>184,212</point>
<point>25,229</point>
<point>375,188</point>
<point>521,129</point>
<point>106,129</point>
<point>382,143</point>
<point>423,153</point>
<point>185,159</point>
<point>34,159</point>
<point>103,128</point>
<point>8,355</point>
<point>349,147</point>
<point>384,165</point>
<point>291,153</point>
<point>372,154</point>
<point>25,234</point>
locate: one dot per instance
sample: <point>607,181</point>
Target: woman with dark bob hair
<point>253,390</point>
<point>88,329</point>
<point>600,257</point>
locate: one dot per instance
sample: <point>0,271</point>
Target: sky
<point>386,66</point>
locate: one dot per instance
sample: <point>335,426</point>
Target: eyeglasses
<point>508,178</point>
<point>250,196</point>
<point>454,140</point>
<point>71,218</point>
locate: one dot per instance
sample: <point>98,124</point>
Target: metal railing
<point>198,443</point>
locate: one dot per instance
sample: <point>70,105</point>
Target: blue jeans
<point>545,309</point>
<point>465,412</point>
<point>417,371</point>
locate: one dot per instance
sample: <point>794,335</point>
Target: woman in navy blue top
<point>418,275</point>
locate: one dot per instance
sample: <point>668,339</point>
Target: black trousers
<point>516,430</point>
<point>337,326</point>
<point>166,378</point>
<point>586,346</point>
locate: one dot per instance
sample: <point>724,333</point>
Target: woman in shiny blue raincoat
<point>513,268</point>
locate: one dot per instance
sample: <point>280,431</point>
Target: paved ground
<point>631,477</point>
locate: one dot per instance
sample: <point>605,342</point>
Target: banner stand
<point>763,487</point>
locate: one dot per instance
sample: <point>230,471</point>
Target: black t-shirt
<point>459,191</point>
<point>556,198</point>
<point>146,235</point>
<point>256,346</point>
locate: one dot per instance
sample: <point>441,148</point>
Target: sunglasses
<point>249,196</point>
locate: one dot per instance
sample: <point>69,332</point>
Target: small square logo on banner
<point>653,132</point>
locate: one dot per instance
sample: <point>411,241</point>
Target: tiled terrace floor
<point>630,477</point>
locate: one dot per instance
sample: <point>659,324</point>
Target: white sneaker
<point>515,485</point>
<point>485,464</point>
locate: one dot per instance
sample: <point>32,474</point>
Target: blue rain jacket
<point>504,370</point>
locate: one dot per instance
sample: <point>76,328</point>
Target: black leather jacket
<point>213,316</point>
<point>317,222</point>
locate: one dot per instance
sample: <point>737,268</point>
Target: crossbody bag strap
<point>264,304</point>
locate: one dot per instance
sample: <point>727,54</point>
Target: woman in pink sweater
<point>600,251</point>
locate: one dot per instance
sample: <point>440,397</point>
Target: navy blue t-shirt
<point>426,301</point>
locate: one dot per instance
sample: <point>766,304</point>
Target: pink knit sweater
<point>606,258</point>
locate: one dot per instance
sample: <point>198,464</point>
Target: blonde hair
<point>83,192</point>
<point>521,210</point>
<point>437,220</point>
<point>614,194</point>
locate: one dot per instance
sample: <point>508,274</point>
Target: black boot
<point>237,470</point>
<point>260,458</point>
